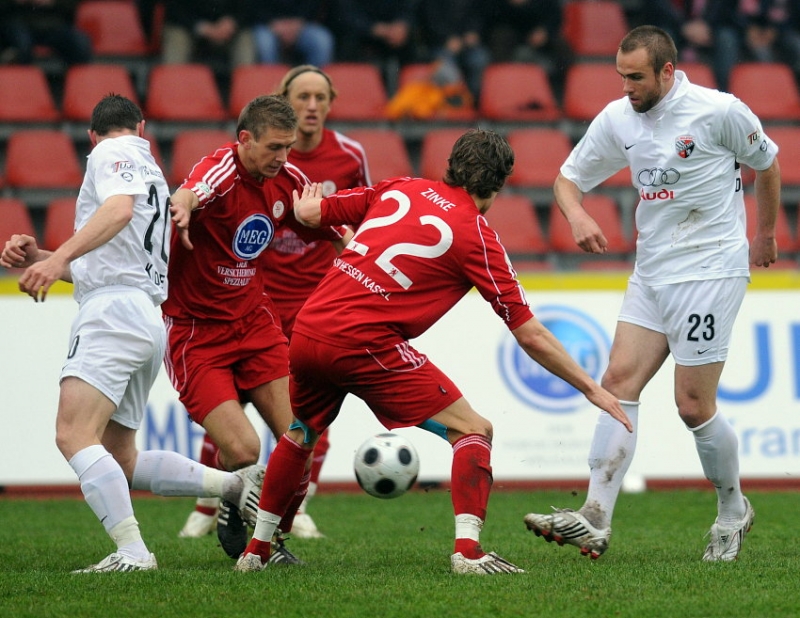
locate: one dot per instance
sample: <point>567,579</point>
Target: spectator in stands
<point>703,30</point>
<point>198,30</point>
<point>529,31</point>
<point>770,31</point>
<point>24,24</point>
<point>370,31</point>
<point>451,32</point>
<point>290,30</point>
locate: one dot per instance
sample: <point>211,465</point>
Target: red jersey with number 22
<point>421,246</point>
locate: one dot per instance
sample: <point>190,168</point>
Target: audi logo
<point>657,177</point>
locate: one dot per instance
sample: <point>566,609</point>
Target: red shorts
<point>210,362</point>
<point>400,385</point>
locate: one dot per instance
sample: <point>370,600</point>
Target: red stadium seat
<point>25,95</point>
<point>699,73</point>
<point>435,150</point>
<point>539,153</point>
<point>183,93</point>
<point>604,211</point>
<point>362,93</point>
<point>788,140</point>
<point>14,218</point>
<point>594,28</point>
<point>85,85</point>
<point>787,243</point>
<point>589,87</point>
<point>517,92</point>
<point>769,89</point>
<point>250,81</point>
<point>59,222</point>
<point>42,159</point>
<point>113,26</point>
<point>387,156</point>
<point>190,146</point>
<point>513,217</point>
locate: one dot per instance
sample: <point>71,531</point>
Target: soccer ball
<point>386,465</point>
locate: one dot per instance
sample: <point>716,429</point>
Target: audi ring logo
<point>658,177</point>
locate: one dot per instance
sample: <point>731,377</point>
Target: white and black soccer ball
<point>386,465</point>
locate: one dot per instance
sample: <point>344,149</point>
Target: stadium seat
<point>42,159</point>
<point>787,243</point>
<point>113,26</point>
<point>603,209</point>
<point>362,93</point>
<point>59,222</point>
<point>85,85</point>
<point>435,150</point>
<point>183,93</point>
<point>514,218</point>
<point>190,146</point>
<point>594,28</point>
<point>25,95</point>
<point>769,89</point>
<point>699,73</point>
<point>14,219</point>
<point>539,153</point>
<point>517,92</point>
<point>589,87</point>
<point>387,155</point>
<point>250,81</point>
<point>788,140</point>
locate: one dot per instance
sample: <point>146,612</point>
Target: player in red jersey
<point>294,268</point>
<point>421,245</point>
<point>224,337</point>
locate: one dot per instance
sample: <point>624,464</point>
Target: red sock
<point>471,482</point>
<point>288,517</point>
<point>320,451</point>
<point>287,466</point>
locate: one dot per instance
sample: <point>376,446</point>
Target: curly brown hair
<point>480,162</point>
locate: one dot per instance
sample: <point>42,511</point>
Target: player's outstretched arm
<point>112,216</point>
<point>585,231</point>
<point>181,205</point>
<point>543,347</point>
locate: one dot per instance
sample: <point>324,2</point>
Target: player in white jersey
<point>117,261</point>
<point>683,144</point>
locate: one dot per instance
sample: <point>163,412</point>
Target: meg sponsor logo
<point>585,341</point>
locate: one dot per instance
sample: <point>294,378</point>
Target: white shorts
<point>117,345</point>
<point>696,316</point>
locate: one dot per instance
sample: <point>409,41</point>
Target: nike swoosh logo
<point>629,147</point>
<point>703,351</point>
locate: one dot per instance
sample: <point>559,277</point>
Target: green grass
<point>391,559</point>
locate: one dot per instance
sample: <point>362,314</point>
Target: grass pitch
<point>391,559</point>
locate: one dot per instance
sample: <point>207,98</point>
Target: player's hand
<point>763,251</point>
<point>606,401</point>
<point>181,213</point>
<point>38,278</point>
<point>306,204</point>
<point>588,235</point>
<point>20,251</point>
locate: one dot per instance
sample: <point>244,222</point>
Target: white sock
<point>610,456</point>
<point>718,449</point>
<point>105,488</point>
<point>166,473</point>
<point>266,524</point>
<point>469,527</point>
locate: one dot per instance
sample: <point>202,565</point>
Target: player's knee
<point>240,457</point>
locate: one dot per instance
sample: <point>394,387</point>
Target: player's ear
<point>140,128</point>
<point>92,137</point>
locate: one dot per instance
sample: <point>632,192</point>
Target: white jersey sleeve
<point>137,256</point>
